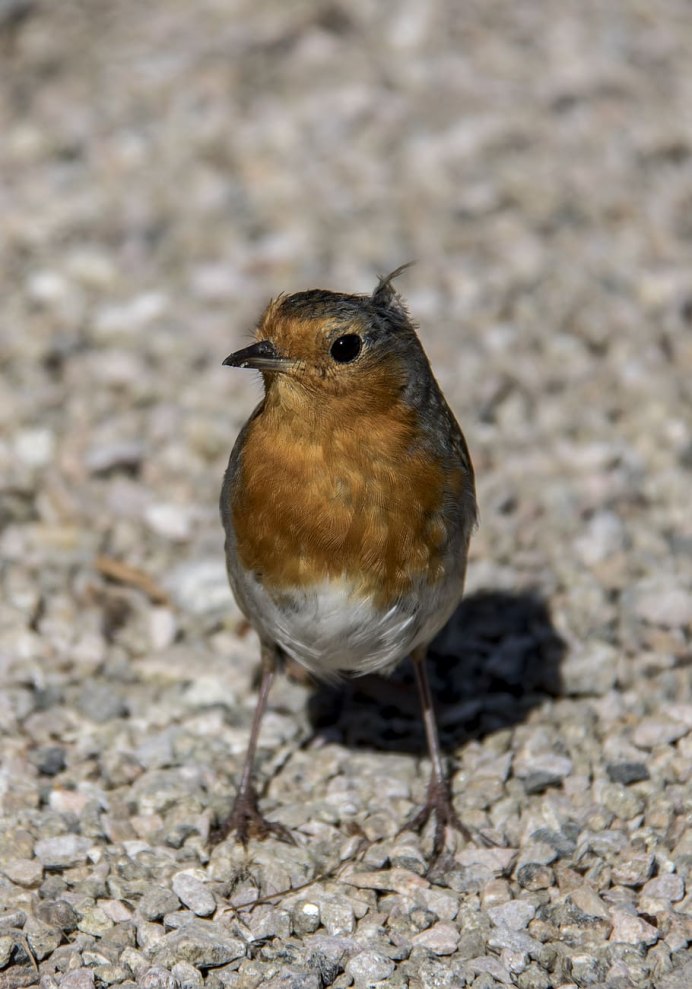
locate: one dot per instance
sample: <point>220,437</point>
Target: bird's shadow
<point>497,657</point>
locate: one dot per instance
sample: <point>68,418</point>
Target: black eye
<point>346,348</point>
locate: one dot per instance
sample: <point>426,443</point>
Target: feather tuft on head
<point>385,293</point>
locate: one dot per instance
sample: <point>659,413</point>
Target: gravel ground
<point>168,166</point>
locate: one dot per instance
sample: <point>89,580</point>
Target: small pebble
<point>168,520</point>
<point>156,902</point>
<point>157,977</point>
<point>442,938</point>
<point>654,731</point>
<point>62,852</point>
<point>662,601</point>
<point>200,943</point>
<point>187,975</point>
<point>657,894</point>
<point>79,978</point>
<point>589,902</point>
<point>336,914</point>
<point>369,967</point>
<point>194,894</point>
<point>515,914</point>
<point>627,772</point>
<point>306,917</point>
<point>24,872</point>
<point>633,868</point>
<point>631,929</point>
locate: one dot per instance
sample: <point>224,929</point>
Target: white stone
<point>201,586</point>
<point>663,601</point>
<point>163,628</point>
<point>169,520</point>
<point>63,851</point>
<point>35,447</point>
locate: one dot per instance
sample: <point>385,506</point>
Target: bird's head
<point>320,345</point>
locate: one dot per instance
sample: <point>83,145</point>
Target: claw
<point>438,805</point>
<point>245,821</point>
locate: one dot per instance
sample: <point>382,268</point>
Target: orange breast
<point>328,493</point>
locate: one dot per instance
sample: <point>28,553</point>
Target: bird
<point>348,504</point>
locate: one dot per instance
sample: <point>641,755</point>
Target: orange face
<point>331,356</point>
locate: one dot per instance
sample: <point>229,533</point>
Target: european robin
<point>348,504</point>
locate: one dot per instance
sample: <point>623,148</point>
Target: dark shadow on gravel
<point>498,657</point>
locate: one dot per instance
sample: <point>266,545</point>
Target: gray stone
<point>7,945</point>
<point>200,586</point>
<point>201,943</point>
<point>134,960</point>
<point>659,893</point>
<point>591,669</point>
<point>294,979</point>
<point>516,914</point>
<point>368,968</point>
<point>534,977</point>
<point>63,851</point>
<point>535,875</point>
<point>628,928</point>
<point>661,601</point>
<point>105,458</point>
<point>270,922</point>
<point>58,913</point>
<point>24,872</point>
<point>622,802</point>
<point>588,902</point>
<point>563,842</point>
<point>681,978</point>
<point>187,975</point>
<point>515,941</point>
<point>539,771</point>
<point>337,916</point>
<point>78,978</point>
<point>627,772</point>
<point>306,917</point>
<point>656,730</point>
<point>101,701</point>
<point>12,918</point>
<point>587,970</point>
<point>43,940</point>
<point>157,902</point>
<point>149,935</point>
<point>492,967</point>
<point>442,938</point>
<point>157,977</point>
<point>49,759</point>
<point>194,894</point>
<point>633,868</point>
<point>328,955</point>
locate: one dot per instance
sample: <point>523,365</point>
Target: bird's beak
<point>262,356</point>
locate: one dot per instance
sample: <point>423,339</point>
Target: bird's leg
<point>439,799</point>
<point>245,819</point>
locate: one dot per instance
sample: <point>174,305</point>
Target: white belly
<point>329,630</point>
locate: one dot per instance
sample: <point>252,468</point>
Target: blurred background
<point>167,167</point>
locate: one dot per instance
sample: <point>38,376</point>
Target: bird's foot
<point>439,806</point>
<point>245,821</point>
